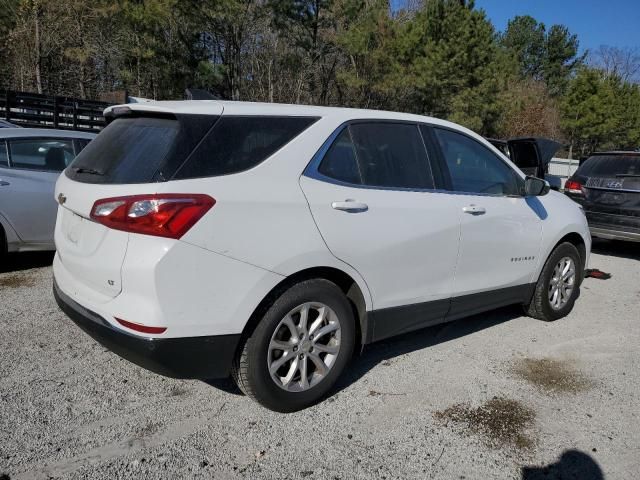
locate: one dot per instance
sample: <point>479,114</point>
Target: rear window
<point>236,144</point>
<point>155,149</point>
<point>610,166</point>
<point>139,149</point>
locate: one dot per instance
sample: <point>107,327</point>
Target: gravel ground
<point>497,395</point>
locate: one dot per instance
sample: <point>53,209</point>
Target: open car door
<point>533,155</point>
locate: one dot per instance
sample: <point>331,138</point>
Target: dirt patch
<point>15,281</point>
<point>502,421</point>
<point>551,375</point>
<point>149,429</point>
<point>375,393</point>
<point>178,391</point>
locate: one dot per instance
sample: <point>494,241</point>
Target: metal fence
<point>48,111</point>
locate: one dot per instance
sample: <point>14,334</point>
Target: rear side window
<point>140,149</point>
<point>474,168</point>
<point>239,143</point>
<point>610,166</point>
<point>389,155</point>
<point>340,161</point>
<point>4,158</point>
<point>45,154</point>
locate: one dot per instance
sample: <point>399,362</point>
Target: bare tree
<point>621,62</point>
<point>529,110</point>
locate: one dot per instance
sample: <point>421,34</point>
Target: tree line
<point>436,57</point>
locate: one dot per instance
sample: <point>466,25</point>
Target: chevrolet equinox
<point>204,239</point>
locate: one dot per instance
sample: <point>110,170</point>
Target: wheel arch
<point>343,280</point>
<point>4,247</point>
<point>575,239</point>
<point>9,238</point>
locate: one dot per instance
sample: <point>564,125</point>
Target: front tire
<point>299,348</point>
<point>558,286</point>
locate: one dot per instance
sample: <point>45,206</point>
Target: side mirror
<point>536,187</point>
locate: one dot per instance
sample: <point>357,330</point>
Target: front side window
<point>388,155</point>
<point>474,168</point>
<point>50,154</point>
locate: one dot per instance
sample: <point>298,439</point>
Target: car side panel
<point>29,204</point>
<point>261,216</point>
<point>563,217</point>
<point>272,230</point>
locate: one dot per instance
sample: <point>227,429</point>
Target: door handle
<point>474,210</point>
<point>350,206</point>
<point>3,183</point>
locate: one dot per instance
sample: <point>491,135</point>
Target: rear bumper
<point>204,357</point>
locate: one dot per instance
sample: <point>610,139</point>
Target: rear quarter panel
<point>262,217</point>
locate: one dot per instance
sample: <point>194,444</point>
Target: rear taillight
<point>138,327</point>
<point>572,186</point>
<point>168,215</point>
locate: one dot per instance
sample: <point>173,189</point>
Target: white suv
<point>201,239</point>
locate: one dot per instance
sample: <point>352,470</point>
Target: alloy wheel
<point>562,283</point>
<point>304,347</point>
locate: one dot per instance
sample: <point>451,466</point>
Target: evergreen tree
<point>601,112</point>
<point>525,39</point>
<point>550,55</point>
<point>449,64</point>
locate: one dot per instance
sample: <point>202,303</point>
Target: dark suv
<point>607,185</point>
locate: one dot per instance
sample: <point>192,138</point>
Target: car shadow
<point>572,464</point>
<point>616,248</point>
<point>386,350</point>
<point>13,262</point>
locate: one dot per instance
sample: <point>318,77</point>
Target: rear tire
<point>299,348</point>
<point>557,290</point>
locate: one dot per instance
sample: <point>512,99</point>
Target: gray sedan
<point>30,162</point>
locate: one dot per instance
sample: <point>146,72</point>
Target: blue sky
<point>596,22</point>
